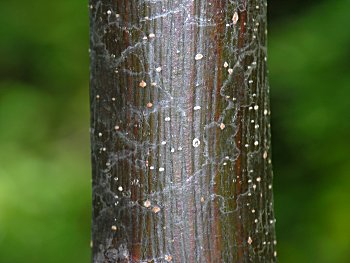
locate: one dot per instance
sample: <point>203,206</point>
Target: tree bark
<point>180,132</point>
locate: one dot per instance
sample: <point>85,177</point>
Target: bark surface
<point>180,132</point>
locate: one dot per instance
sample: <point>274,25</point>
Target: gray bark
<point>180,132</point>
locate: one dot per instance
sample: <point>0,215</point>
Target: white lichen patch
<point>197,107</point>
<point>151,35</point>
<point>159,69</point>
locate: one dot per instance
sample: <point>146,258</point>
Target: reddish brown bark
<point>180,132</point>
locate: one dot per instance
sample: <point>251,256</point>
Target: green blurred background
<point>44,140</point>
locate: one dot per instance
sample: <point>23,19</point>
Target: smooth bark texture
<point>180,132</point>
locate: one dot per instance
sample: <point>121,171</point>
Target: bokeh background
<point>44,139</point>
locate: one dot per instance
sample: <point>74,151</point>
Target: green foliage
<point>310,106</point>
<point>44,155</point>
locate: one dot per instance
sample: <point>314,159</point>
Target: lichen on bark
<point>180,132</point>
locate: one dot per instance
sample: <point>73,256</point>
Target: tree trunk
<point>180,132</point>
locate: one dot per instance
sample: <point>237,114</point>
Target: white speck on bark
<point>196,142</point>
<point>147,203</point>
<point>168,258</point>
<point>142,84</point>
<point>235,18</point>
<point>265,155</point>
<point>156,209</point>
<point>198,56</point>
<point>250,241</point>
